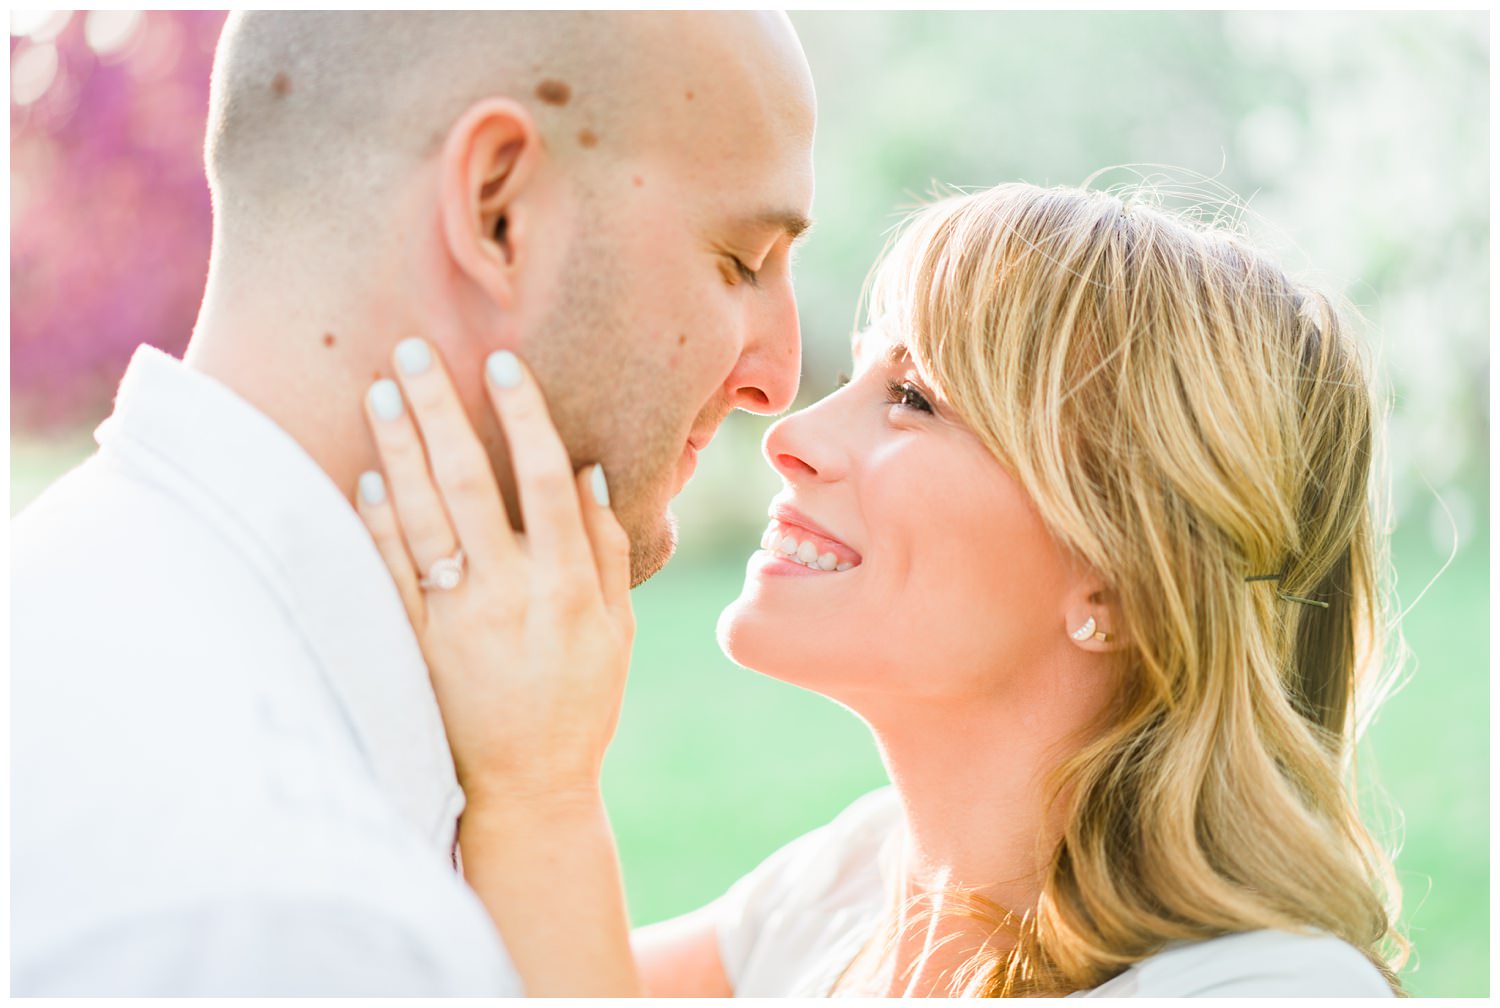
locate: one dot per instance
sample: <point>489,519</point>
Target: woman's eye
<point>906,394</point>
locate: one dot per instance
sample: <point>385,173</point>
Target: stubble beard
<point>612,411</point>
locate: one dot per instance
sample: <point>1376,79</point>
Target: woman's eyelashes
<point>906,394</point>
<point>899,394</point>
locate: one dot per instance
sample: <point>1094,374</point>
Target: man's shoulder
<point>270,818</point>
<point>105,560</point>
<point>271,947</point>
<point>101,517</point>
<point>255,896</point>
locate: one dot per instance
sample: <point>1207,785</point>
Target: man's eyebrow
<point>790,222</point>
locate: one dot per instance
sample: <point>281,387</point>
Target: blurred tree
<point>110,221</point>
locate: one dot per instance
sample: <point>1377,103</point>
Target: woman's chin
<point>733,634</point>
<point>755,630</point>
<point>753,637</point>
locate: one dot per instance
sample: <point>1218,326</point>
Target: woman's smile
<point>795,538</point>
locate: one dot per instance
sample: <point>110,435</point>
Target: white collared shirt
<point>229,773</point>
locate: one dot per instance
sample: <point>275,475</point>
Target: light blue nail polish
<point>372,488</point>
<point>504,369</point>
<point>601,488</point>
<point>412,356</point>
<point>385,399</point>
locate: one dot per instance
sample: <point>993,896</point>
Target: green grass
<point>1429,750</point>
<point>714,766</point>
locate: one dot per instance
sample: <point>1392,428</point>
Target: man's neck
<point>307,369</point>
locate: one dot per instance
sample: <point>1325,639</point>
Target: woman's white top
<point>792,925</point>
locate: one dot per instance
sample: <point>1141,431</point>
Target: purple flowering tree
<point>110,221</point>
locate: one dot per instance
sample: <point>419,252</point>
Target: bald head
<point>325,111</point>
<point>612,195</point>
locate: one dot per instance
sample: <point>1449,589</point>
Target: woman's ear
<point>488,158</point>
<point>1092,618</point>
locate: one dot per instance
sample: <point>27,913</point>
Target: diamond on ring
<point>445,572</point>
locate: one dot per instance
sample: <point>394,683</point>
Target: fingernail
<point>385,399</point>
<point>412,356</point>
<point>372,488</point>
<point>601,488</point>
<point>504,370</point>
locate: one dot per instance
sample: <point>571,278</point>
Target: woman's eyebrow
<point>897,353</point>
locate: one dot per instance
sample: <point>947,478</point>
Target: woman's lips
<point>775,564</point>
<point>793,543</point>
<point>784,512</point>
<point>795,533</point>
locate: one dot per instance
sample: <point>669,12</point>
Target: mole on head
<point>328,339</point>
<point>281,85</point>
<point>554,92</point>
<point>681,338</point>
<point>638,181</point>
<point>689,96</point>
<point>588,138</point>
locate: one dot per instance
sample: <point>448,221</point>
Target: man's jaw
<point>656,543</point>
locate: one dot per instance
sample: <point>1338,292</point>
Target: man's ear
<point>1092,617</point>
<point>489,156</point>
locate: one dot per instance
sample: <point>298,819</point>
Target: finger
<point>420,516</point>
<point>544,474</point>
<point>460,468</point>
<point>374,507</point>
<point>610,544</point>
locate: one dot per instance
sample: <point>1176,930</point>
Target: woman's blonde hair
<point>1183,416</point>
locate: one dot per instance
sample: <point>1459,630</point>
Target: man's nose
<point>765,378</point>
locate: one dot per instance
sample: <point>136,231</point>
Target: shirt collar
<point>251,478</point>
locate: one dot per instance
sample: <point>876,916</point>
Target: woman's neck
<point>971,782</point>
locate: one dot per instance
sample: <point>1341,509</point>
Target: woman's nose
<point>804,446</point>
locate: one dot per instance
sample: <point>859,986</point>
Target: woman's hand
<point>529,651</point>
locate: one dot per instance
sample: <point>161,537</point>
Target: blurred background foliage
<point>1359,141</point>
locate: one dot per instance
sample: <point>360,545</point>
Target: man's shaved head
<point>326,109</point>
<point>613,195</point>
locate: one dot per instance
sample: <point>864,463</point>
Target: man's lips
<point>700,441</point>
<point>687,463</point>
<point>695,444</point>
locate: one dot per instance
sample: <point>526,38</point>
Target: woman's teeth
<point>783,542</point>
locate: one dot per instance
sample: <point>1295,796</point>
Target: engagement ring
<point>445,572</point>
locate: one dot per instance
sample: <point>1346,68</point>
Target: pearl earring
<point>1087,632</point>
